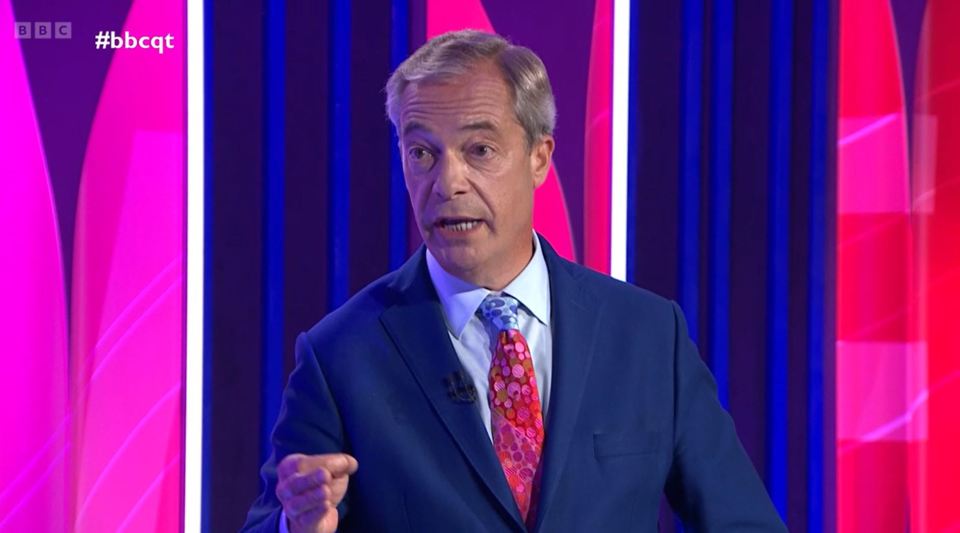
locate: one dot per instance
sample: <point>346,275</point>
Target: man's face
<point>470,175</point>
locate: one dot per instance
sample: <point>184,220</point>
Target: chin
<point>457,259</point>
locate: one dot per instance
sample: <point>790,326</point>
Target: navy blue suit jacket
<point>633,414</point>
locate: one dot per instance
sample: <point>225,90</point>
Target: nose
<point>451,177</point>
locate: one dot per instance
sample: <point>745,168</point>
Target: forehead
<point>481,94</point>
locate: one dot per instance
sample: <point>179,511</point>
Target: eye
<point>481,150</point>
<point>417,153</point>
<point>420,156</point>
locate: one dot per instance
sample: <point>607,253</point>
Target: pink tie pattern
<point>515,413</point>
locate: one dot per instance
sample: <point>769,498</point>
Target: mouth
<point>457,224</point>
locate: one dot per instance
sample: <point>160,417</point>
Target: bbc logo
<point>43,30</point>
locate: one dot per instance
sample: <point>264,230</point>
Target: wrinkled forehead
<point>456,103</point>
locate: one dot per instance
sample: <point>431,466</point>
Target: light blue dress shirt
<point>470,337</point>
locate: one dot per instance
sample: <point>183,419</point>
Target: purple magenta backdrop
<point>66,78</point>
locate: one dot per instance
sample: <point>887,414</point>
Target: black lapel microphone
<point>459,387</point>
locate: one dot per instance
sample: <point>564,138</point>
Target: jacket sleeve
<point>308,423</point>
<point>712,485</point>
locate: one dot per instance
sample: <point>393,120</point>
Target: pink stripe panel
<point>883,387</point>
<point>33,341</point>
<point>597,141</point>
<point>872,157</point>
<point>128,289</point>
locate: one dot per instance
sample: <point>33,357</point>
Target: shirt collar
<point>460,299</point>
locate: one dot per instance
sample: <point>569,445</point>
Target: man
<point>488,384</point>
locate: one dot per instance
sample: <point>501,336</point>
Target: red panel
<point>871,487</point>
<point>898,276</point>
<point>937,193</point>
<point>876,283</point>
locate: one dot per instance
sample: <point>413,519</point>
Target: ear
<point>540,158</point>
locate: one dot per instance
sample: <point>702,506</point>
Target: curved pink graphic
<point>33,339</point>
<point>550,215</point>
<point>128,291</point>
<point>597,142</point>
<point>551,218</point>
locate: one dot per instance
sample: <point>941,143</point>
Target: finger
<point>338,464</point>
<point>341,464</point>
<point>329,520</point>
<point>298,483</point>
<point>290,465</point>
<point>307,501</point>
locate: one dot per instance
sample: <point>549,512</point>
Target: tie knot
<point>500,311</point>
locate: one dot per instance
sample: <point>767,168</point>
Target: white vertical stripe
<point>193,445</point>
<point>618,152</point>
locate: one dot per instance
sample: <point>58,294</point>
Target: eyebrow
<point>483,125</point>
<point>413,126</point>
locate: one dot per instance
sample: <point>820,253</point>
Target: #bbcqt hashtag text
<point>110,39</point>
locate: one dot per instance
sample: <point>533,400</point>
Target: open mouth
<point>458,224</point>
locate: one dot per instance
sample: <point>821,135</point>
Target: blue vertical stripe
<point>274,74</point>
<point>781,65</point>
<point>339,211</point>
<point>690,159</point>
<point>721,127</point>
<point>691,107</point>
<point>206,475</point>
<point>816,268</point>
<point>399,48</point>
<point>633,129</point>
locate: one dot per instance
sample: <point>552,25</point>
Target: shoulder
<point>356,318</point>
<point>619,300</point>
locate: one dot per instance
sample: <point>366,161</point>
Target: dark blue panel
<point>690,161</point>
<point>274,74</point>
<point>655,149</point>
<point>817,263</point>
<point>781,65</point>
<point>339,153</point>
<point>721,107</point>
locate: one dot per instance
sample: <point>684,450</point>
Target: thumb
<point>342,465</point>
<point>330,520</point>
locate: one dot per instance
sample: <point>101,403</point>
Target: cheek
<point>417,190</point>
<point>513,205</point>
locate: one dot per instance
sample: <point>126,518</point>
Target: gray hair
<point>454,53</point>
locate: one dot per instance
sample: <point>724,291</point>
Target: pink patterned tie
<point>515,415</point>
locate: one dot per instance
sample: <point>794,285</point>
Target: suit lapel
<point>417,327</point>
<point>574,325</point>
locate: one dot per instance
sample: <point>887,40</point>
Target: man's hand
<point>310,487</point>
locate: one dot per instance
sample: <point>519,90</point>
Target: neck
<point>497,280</point>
